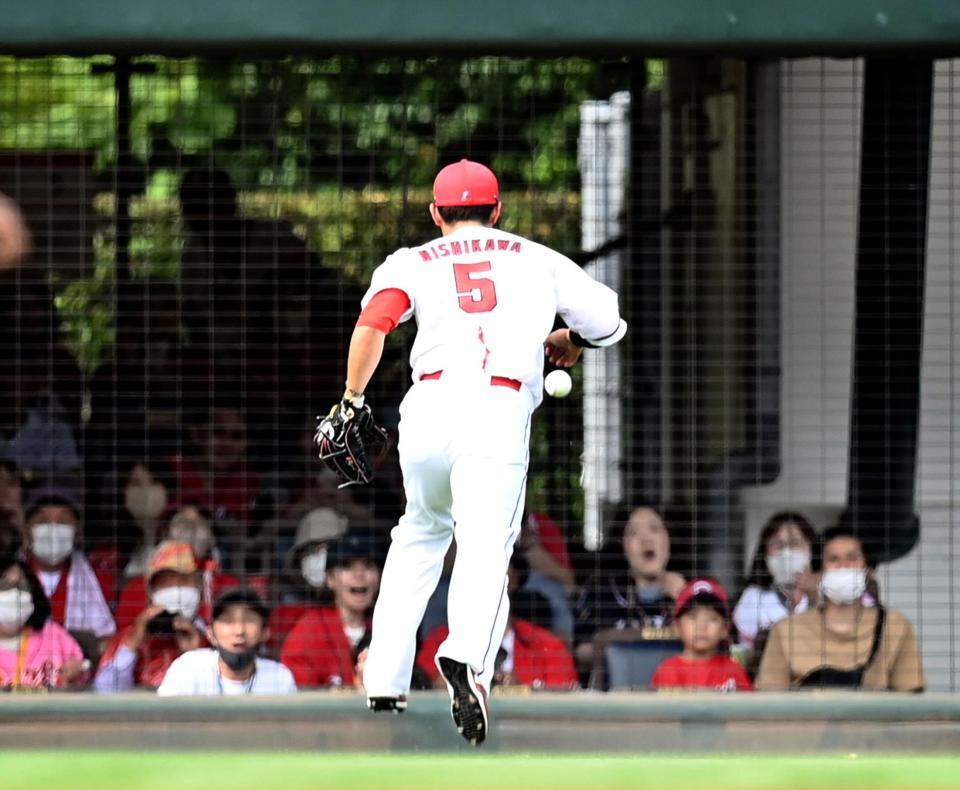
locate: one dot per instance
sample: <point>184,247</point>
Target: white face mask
<point>178,600</point>
<point>844,585</point>
<point>314,568</point>
<point>52,543</point>
<point>145,502</point>
<point>785,566</point>
<point>16,606</point>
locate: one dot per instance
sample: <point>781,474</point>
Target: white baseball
<point>558,383</point>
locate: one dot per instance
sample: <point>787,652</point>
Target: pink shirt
<point>47,650</point>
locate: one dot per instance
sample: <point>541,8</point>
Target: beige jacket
<point>802,643</point>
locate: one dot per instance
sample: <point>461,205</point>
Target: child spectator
<point>35,652</point>
<point>141,654</point>
<point>702,614</point>
<point>230,666</point>
<point>322,649</point>
<point>78,597</point>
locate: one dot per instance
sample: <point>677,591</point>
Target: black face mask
<point>237,661</point>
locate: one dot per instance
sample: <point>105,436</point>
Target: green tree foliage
<point>343,149</point>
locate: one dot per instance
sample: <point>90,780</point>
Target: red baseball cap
<point>466,183</point>
<point>706,591</point>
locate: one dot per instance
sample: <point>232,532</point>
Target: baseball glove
<point>347,438</point>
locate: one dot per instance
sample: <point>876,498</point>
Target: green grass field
<point>73,770</point>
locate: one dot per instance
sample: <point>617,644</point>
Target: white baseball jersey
<point>485,301</point>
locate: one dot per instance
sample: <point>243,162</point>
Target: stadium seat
<point>630,665</point>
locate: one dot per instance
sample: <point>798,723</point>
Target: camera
<point>161,624</point>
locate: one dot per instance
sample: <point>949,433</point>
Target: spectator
<point>849,640</point>
<point>322,648</point>
<point>310,484</point>
<point>44,445</point>
<point>11,509</point>
<point>141,653</point>
<point>306,484</point>
<point>133,504</point>
<point>138,393</point>
<point>189,524</point>
<point>528,656</point>
<point>14,236</point>
<point>551,572</point>
<point>781,581</point>
<point>145,497</point>
<point>639,599</point>
<point>702,614</point>
<point>35,652</point>
<point>11,539</point>
<point>216,476</point>
<point>40,408</point>
<point>230,666</point>
<point>526,603</point>
<point>306,572</point>
<point>261,308</point>
<point>78,597</point>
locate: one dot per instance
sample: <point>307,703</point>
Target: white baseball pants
<point>463,452</point>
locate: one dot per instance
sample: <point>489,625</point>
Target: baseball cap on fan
<point>171,555</point>
<point>706,592</point>
<point>466,183</point>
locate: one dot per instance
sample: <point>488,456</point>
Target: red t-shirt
<point>317,650</point>
<point>540,659</point>
<point>717,672</point>
<point>231,492</point>
<point>154,657</point>
<point>283,618</point>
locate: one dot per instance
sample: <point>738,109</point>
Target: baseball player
<point>485,302</point>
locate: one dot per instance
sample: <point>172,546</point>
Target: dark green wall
<point>490,25</point>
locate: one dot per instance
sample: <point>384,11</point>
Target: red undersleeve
<point>385,310</point>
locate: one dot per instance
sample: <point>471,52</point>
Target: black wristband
<point>580,341</point>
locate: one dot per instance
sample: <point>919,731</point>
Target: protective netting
<point>201,232</point>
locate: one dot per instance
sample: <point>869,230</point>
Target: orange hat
<point>466,183</point>
<point>171,555</point>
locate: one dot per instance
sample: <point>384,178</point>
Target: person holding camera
<point>139,656</point>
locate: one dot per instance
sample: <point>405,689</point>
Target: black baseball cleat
<point>387,704</point>
<point>468,703</point>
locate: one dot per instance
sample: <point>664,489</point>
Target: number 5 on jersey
<point>476,294</point>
